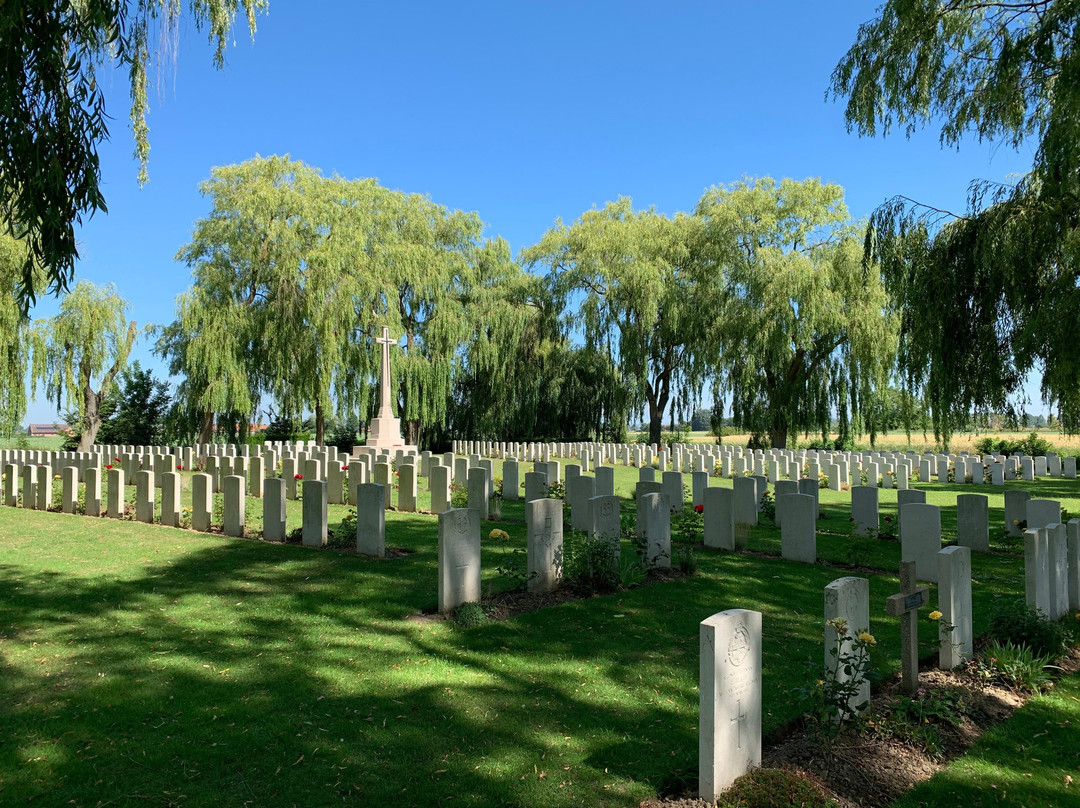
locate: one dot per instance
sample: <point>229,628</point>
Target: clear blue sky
<point>520,111</point>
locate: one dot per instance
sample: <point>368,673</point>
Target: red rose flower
<point>298,476</point>
<point>109,466</point>
<point>699,508</point>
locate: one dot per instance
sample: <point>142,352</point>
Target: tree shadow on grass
<point>257,673</point>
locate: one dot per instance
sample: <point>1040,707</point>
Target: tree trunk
<point>412,433</point>
<point>91,421</point>
<point>320,425</point>
<point>779,432</point>
<point>206,431</point>
<point>656,424</point>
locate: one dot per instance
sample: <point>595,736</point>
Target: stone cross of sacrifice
<point>384,404</point>
<point>906,604</point>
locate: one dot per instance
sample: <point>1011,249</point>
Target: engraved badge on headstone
<point>738,646</point>
<point>461,522</point>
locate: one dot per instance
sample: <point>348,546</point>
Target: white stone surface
<point>729,728</point>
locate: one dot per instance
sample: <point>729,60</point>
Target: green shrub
<point>1031,445</point>
<point>1013,621</point>
<point>1019,668</point>
<point>459,496</point>
<point>768,506</point>
<point>343,439</point>
<point>773,788</point>
<point>591,560</point>
<point>470,615</point>
<point>688,525</point>
<point>345,535</point>
<point>688,561</point>
<point>631,572</point>
<point>1034,445</point>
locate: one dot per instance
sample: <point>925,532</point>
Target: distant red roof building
<point>46,430</point>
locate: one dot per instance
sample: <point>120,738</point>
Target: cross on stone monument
<point>384,432</point>
<point>384,402</point>
<point>906,604</point>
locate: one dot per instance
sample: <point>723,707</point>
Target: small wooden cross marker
<point>906,604</point>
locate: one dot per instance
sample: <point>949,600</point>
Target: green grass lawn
<point>149,666</point>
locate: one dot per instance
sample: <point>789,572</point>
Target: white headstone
<point>798,541</point>
<point>719,518</point>
<point>954,603</point>
<point>314,525</point>
<point>730,700</point>
<point>544,542</point>
<point>459,558</point>
<point>973,522</point>
<point>371,518</point>
<point>846,599</point>
<point>920,538</point>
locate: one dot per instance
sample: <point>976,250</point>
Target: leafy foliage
<point>14,333</point>
<point>1014,622</point>
<point>470,615</point>
<point>87,342</point>
<point>773,788</point>
<point>591,560</point>
<point>1033,445</point>
<point>831,697</point>
<point>1019,667</point>
<point>808,326</point>
<point>1003,275</point>
<point>638,277</point>
<point>52,111</point>
<point>137,409</point>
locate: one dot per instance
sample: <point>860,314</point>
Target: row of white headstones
<point>724,509</point>
<point>893,469</point>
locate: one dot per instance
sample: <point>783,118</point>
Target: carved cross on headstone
<point>738,721</point>
<point>906,604</point>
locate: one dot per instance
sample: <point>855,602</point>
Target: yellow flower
<point>868,638</point>
<point>498,534</point>
<point>1016,522</point>
<point>935,615</point>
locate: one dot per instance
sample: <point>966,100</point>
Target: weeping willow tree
<point>989,293</point>
<point>294,274</point>
<point>207,349</point>
<point>521,379</point>
<point>273,305</point>
<point>507,325</point>
<point>14,333</point>
<point>637,276</point>
<point>806,320</point>
<point>52,110</point>
<point>85,345</point>
<point>429,267</point>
